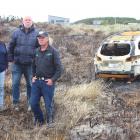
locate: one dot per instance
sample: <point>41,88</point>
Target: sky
<point>73,9</point>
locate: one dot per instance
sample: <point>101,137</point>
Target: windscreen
<point>115,49</point>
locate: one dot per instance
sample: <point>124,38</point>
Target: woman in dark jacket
<point>3,67</point>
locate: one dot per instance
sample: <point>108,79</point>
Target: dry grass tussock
<point>77,102</point>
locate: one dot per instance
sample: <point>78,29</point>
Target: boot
<point>50,122</point>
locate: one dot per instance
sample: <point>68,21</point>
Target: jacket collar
<point>22,28</point>
<point>48,48</point>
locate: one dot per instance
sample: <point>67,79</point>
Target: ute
<point>119,56</point>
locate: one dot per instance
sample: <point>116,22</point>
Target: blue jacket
<point>47,64</point>
<point>3,57</point>
<point>22,45</point>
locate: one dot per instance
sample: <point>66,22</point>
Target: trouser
<point>40,88</point>
<point>17,71</point>
<point>2,78</point>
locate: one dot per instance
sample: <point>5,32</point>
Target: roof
<point>131,33</point>
<point>124,36</point>
<point>57,17</point>
<point>119,38</point>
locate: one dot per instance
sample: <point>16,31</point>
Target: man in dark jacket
<point>3,67</point>
<point>21,52</point>
<point>47,69</point>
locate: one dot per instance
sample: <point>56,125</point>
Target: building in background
<point>58,20</point>
<point>97,22</point>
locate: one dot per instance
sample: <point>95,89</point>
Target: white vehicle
<point>119,56</point>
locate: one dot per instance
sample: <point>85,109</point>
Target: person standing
<point>3,67</point>
<point>21,53</point>
<point>47,69</point>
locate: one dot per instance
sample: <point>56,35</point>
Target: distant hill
<point>108,20</point>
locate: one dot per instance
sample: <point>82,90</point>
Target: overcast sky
<point>73,9</point>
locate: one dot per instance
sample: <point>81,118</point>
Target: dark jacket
<point>3,57</point>
<point>22,45</point>
<point>47,64</point>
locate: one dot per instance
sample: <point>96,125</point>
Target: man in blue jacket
<point>21,52</point>
<point>47,69</point>
<point>3,67</point>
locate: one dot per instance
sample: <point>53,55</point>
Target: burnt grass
<point>118,110</point>
<point>116,115</point>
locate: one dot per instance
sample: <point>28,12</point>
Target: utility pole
<point>115,20</point>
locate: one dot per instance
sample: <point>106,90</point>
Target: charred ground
<point>110,112</point>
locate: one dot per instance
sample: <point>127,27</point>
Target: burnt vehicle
<point>118,56</point>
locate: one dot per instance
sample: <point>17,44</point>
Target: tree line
<point>108,20</point>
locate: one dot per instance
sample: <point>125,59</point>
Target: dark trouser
<point>40,88</point>
<point>17,71</point>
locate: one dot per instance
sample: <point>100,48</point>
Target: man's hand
<point>49,82</point>
<point>33,79</point>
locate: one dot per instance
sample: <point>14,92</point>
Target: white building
<point>58,20</point>
<point>97,22</point>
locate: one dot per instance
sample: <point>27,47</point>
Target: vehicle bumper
<point>118,75</point>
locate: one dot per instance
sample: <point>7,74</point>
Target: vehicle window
<point>139,45</point>
<point>115,49</point>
